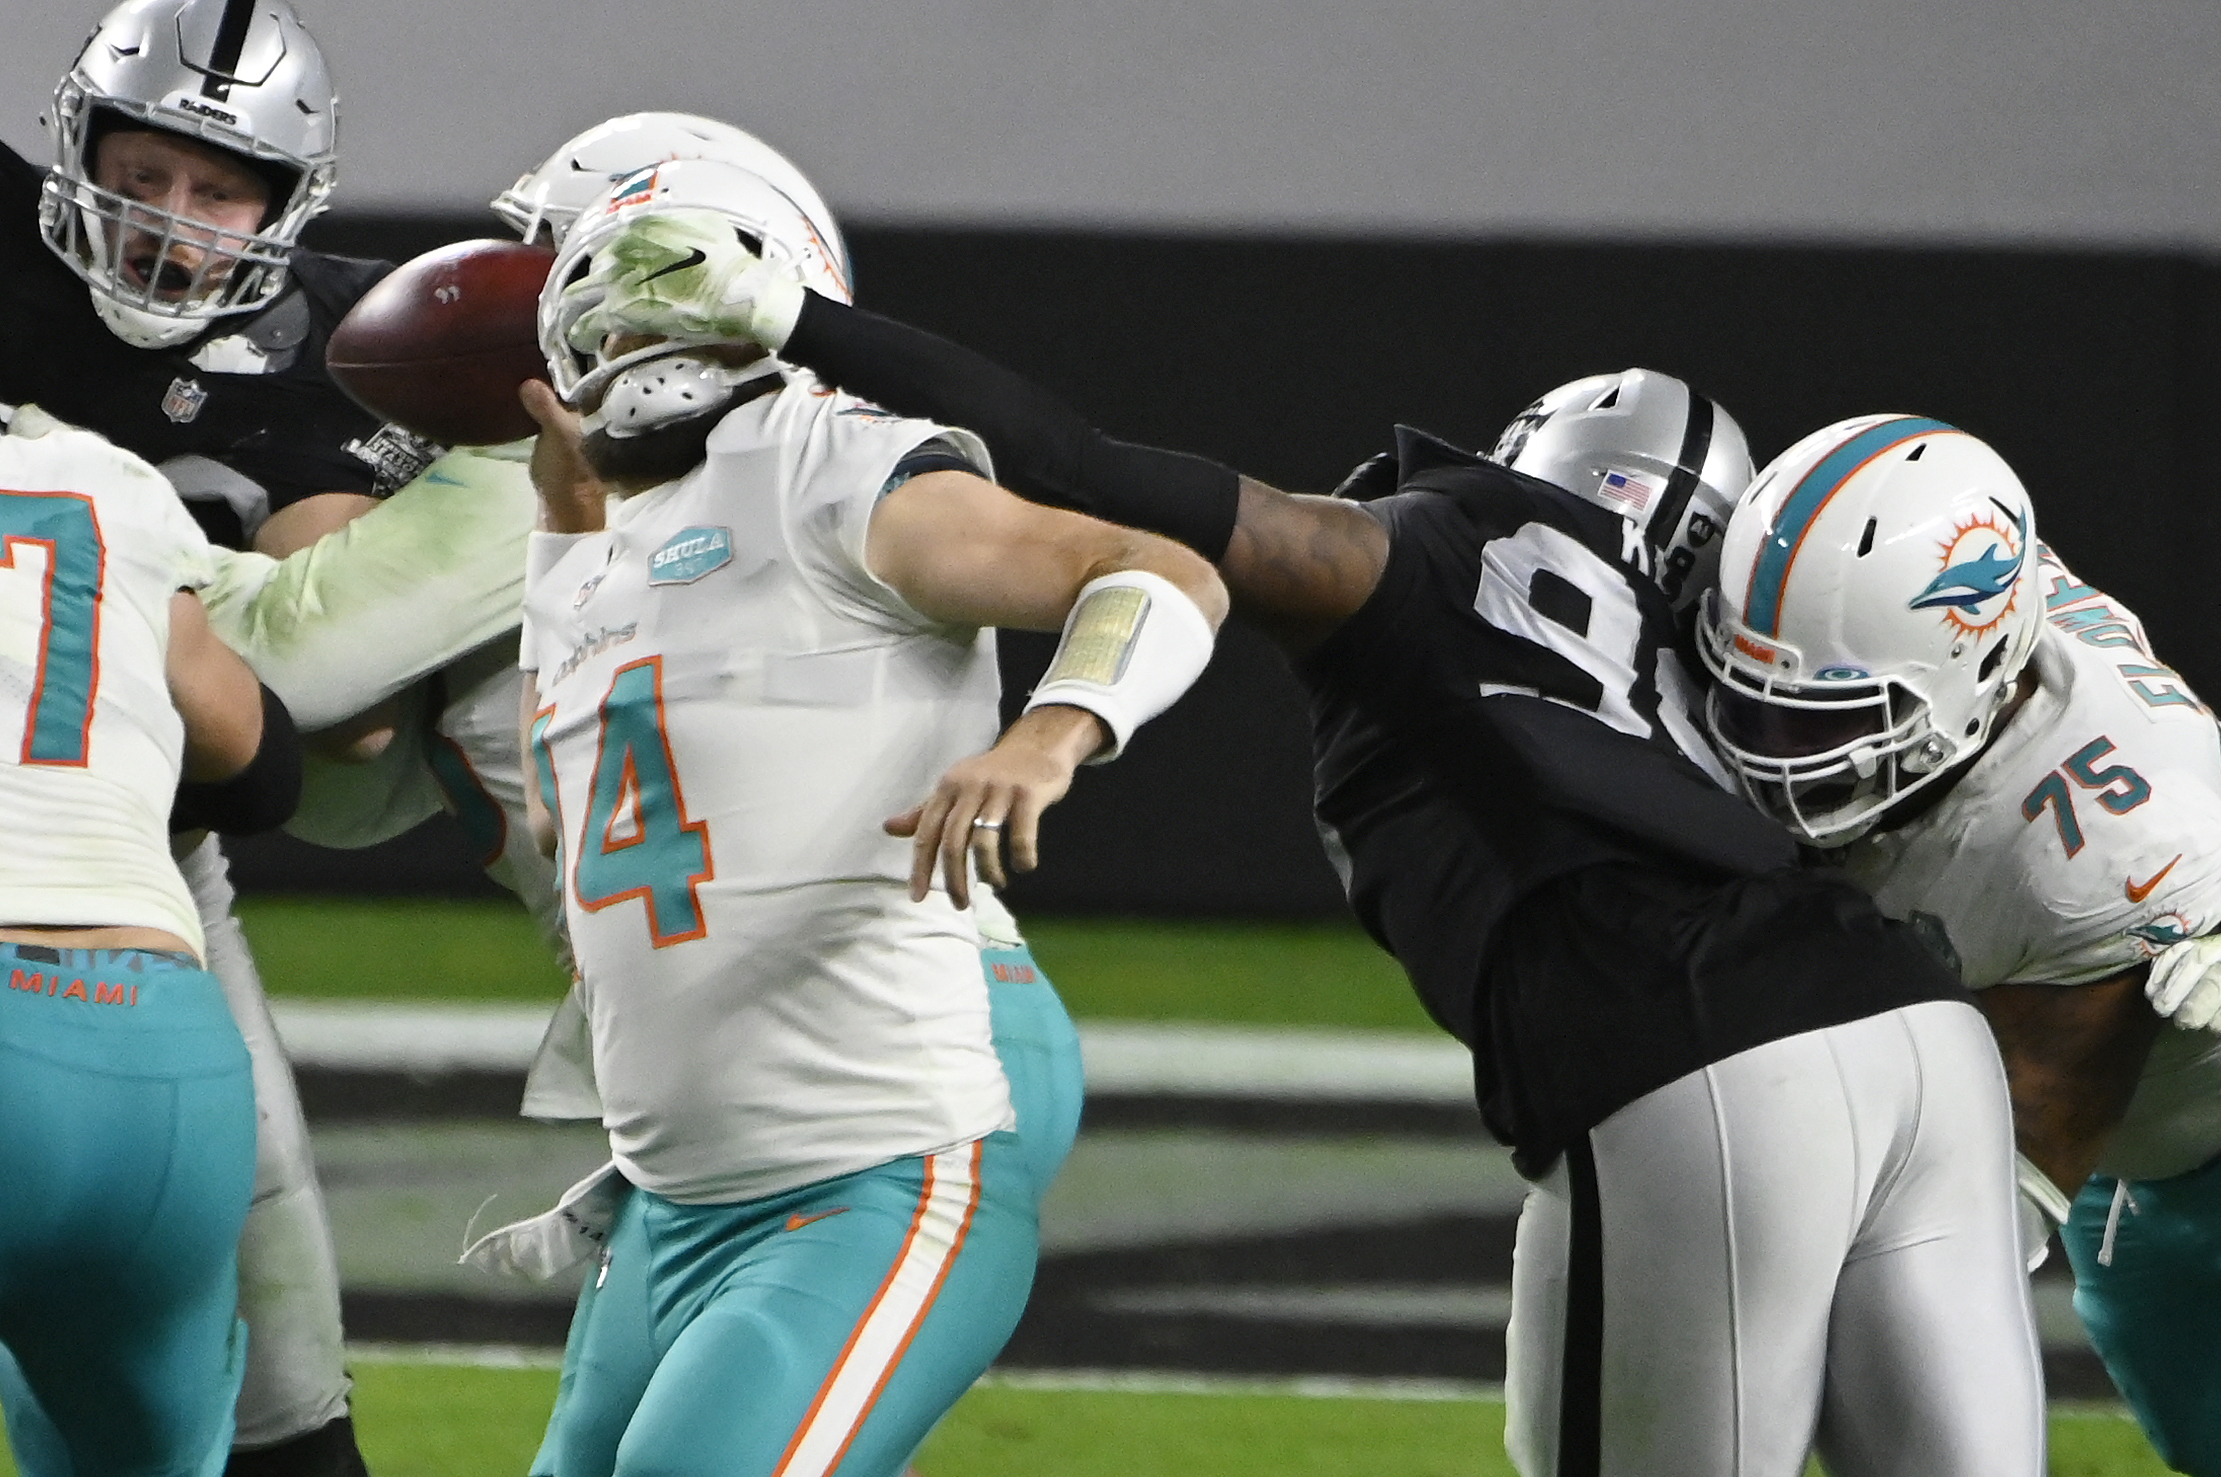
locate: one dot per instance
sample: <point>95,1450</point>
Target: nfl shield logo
<point>184,400</point>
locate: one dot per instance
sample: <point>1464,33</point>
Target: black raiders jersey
<point>1511,779</point>
<point>251,396</point>
<point>1516,664</point>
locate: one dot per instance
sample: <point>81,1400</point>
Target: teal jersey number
<point>57,728</point>
<point>484,826</point>
<point>636,841</point>
<point>2119,790</point>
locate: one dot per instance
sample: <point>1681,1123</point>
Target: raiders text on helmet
<point>1877,600</point>
<point>1646,446</point>
<point>241,76</point>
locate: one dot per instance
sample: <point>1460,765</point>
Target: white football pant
<point>1808,1245</point>
<point>288,1274</point>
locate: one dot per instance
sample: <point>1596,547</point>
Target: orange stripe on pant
<point>947,1203</point>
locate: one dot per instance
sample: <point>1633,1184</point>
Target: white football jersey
<point>730,706</point>
<point>93,543</point>
<point>2078,846</point>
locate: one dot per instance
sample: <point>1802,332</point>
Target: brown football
<point>441,344</point>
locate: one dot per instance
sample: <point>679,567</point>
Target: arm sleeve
<point>259,797</point>
<point>1044,451</point>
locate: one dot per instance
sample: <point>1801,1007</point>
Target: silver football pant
<point>1810,1245</point>
<point>288,1273</point>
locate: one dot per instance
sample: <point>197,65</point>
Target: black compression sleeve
<point>260,797</point>
<point>1044,450</point>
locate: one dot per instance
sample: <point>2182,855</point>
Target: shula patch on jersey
<point>184,399</point>
<point>691,554</point>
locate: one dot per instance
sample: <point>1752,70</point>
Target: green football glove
<point>685,276</point>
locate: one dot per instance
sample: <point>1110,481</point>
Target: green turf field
<point>416,949</point>
<point>445,1420</point>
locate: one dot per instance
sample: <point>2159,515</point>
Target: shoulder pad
<point>335,283</point>
<point>1420,451</point>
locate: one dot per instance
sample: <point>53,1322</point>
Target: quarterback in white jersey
<point>2004,763</point>
<point>119,1351</point>
<point>764,688</point>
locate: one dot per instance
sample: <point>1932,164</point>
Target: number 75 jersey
<point>93,543</point>
<point>2082,841</point>
<point>2080,844</point>
<point>730,705</point>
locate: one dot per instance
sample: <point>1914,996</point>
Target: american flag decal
<point>1629,492</point>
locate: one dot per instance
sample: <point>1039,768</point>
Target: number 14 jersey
<point>730,705</point>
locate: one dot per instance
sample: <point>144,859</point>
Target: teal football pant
<point>127,1175</point>
<point>613,1350</point>
<point>2154,1311</point>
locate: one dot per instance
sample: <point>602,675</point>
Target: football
<point>441,344</point>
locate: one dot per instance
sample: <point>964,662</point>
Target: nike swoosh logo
<point>2138,891</point>
<point>797,1222</point>
<point>693,258</point>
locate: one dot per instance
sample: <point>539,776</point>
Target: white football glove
<point>684,275</point>
<point>2185,983</point>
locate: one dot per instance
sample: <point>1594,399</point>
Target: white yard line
<point>1136,1057</point>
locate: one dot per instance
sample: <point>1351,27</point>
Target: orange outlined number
<point>635,840</point>
<point>2119,790</point>
<point>73,562</point>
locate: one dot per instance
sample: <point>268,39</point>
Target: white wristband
<point>1132,644</point>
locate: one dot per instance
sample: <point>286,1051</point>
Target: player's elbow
<point>1184,569</point>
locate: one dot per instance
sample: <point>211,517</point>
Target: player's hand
<point>684,276</point>
<point>996,797</point>
<point>573,499</point>
<point>2185,983</point>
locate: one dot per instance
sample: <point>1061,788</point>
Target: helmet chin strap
<point>144,330</point>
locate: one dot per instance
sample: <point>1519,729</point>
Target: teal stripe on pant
<point>2154,1313</point>
<point>128,1171</point>
<point>613,1348</point>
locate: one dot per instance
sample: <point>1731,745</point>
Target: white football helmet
<point>643,388</point>
<point>1648,447</point>
<point>238,75</point>
<point>546,199</point>
<point>1877,599</point>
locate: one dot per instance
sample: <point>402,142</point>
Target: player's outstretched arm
<point>1138,614</point>
<point>384,599</point>
<point>1296,566</point>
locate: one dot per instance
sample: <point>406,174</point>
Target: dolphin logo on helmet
<point>1965,586</point>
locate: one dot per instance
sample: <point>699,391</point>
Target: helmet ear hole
<point>1990,663</point>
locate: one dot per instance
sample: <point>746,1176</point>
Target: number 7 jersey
<point>93,543</point>
<point>730,705</point>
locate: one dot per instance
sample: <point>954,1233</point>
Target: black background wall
<point>2094,373</point>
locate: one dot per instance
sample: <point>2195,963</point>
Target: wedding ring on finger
<point>981,823</point>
